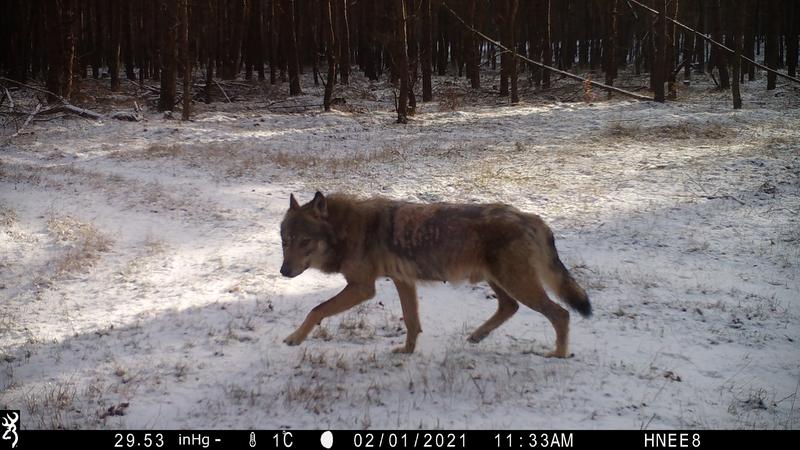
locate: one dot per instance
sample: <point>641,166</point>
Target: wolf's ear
<point>293,202</point>
<point>320,204</point>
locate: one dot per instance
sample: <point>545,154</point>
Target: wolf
<point>364,239</point>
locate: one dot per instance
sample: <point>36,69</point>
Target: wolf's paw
<point>475,337</point>
<point>403,350</point>
<point>293,340</point>
<point>557,354</point>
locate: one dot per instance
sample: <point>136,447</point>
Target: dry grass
<point>83,244</point>
<point>235,162</point>
<point>685,130</point>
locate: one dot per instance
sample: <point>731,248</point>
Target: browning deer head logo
<point>11,428</point>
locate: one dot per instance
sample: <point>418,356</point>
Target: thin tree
<point>427,51</point>
<point>343,33</point>
<point>169,60</point>
<point>736,62</point>
<point>114,43</point>
<point>330,51</point>
<point>187,61</point>
<point>547,54</point>
<point>792,17</point>
<point>398,15</point>
<point>771,46</point>
<point>660,33</point>
<point>718,59</point>
<point>511,24</point>
<point>610,50</point>
<point>290,38</point>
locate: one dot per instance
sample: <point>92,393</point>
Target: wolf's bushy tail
<point>558,278</point>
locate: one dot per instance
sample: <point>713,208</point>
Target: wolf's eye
<point>305,242</point>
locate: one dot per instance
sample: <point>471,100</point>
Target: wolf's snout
<point>286,271</point>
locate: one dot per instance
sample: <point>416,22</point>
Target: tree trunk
<point>344,41</point>
<point>718,58</point>
<point>330,51</point>
<point>610,50</point>
<point>398,11</point>
<point>502,19</point>
<point>169,60</point>
<point>187,61</point>
<point>658,69</point>
<point>511,25</point>
<point>61,24</point>
<point>288,23</point>
<point>471,60</point>
<point>210,33</point>
<point>700,44</point>
<point>114,43</point>
<point>736,63</point>
<point>670,59</point>
<point>442,42</point>
<point>792,17</point>
<point>548,46</point>
<point>427,51</point>
<point>413,56</point>
<point>771,46</point>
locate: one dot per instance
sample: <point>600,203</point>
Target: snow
<point>139,265</point>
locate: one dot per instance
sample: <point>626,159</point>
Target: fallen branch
<point>152,89</point>
<point>64,106</point>
<point>713,42</point>
<point>223,91</point>
<point>8,95</point>
<point>27,121</point>
<point>552,69</point>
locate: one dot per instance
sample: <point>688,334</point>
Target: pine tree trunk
<point>169,57</point>
<point>502,18</point>
<point>427,51</point>
<point>61,24</point>
<point>442,42</point>
<point>398,14</point>
<point>511,24</point>
<point>771,46</point>
<point>736,33</point>
<point>700,43</point>
<point>792,17</point>
<point>114,43</point>
<point>187,61</point>
<point>719,59</point>
<point>670,59</point>
<point>344,41</point>
<point>610,50</point>
<point>330,51</point>
<point>471,61</point>
<point>548,46</point>
<point>658,69</point>
<point>288,22</point>
<point>209,28</point>
<point>413,56</point>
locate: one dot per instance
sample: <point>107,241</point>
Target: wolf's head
<point>306,235</point>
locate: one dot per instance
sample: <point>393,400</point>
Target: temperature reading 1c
<point>283,439</point>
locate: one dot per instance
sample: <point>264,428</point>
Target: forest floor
<point>139,262</point>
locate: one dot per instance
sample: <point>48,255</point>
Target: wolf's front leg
<point>351,295</point>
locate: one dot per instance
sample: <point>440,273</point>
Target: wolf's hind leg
<point>506,307</point>
<point>409,302</point>
<point>528,290</point>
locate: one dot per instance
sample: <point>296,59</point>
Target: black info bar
<point>394,439</point>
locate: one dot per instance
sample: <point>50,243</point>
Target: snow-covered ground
<point>140,287</point>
